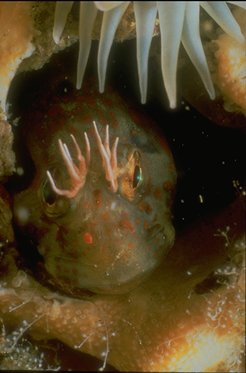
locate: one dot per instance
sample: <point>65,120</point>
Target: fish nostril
<point>98,197</point>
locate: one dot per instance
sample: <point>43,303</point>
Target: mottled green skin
<point>127,238</point>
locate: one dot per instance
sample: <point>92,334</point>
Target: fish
<point>98,210</point>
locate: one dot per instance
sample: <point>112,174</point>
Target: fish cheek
<point>156,220</point>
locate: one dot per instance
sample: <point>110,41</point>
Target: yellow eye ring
<point>132,177</point>
<point>54,206</point>
<point>48,195</point>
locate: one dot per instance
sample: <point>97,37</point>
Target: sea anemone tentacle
<point>110,22</point>
<point>88,12</point>
<point>62,10</point>
<point>179,22</point>
<point>220,12</point>
<point>192,43</point>
<point>107,5</point>
<point>241,4</point>
<point>171,15</point>
<point>145,14</point>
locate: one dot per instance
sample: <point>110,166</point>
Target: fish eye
<point>137,177</point>
<point>53,205</point>
<point>132,177</point>
<point>49,196</point>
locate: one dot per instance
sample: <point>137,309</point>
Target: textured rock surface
<point>15,35</point>
<point>7,157</point>
<point>6,231</point>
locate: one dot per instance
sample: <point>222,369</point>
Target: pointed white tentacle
<point>88,13</point>
<point>107,5</point>
<point>110,22</point>
<point>61,12</point>
<point>177,19</point>
<point>193,45</point>
<point>171,15</point>
<point>220,12</point>
<point>145,15</point>
<point>242,4</point>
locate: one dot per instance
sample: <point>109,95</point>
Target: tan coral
<point>231,72</point>
<point>6,230</point>
<point>7,157</point>
<point>228,62</point>
<point>15,36</point>
<point>25,30</point>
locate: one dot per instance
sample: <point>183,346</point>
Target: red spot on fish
<point>105,216</point>
<point>127,225</point>
<point>145,206</point>
<point>88,238</point>
<point>146,225</point>
<point>157,193</point>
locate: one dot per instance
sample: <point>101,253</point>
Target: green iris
<point>137,177</point>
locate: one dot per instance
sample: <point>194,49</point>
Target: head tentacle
<point>109,157</point>
<point>77,173</point>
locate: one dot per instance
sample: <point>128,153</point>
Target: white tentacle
<point>171,14</point>
<point>193,45</point>
<point>220,12</point>
<point>179,21</point>
<point>88,13</point>
<point>111,20</point>
<point>145,14</point>
<point>61,12</point>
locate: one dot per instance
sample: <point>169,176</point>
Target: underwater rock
<point>229,74</point>
<point>7,156</point>
<point>6,230</point>
<point>15,45</point>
